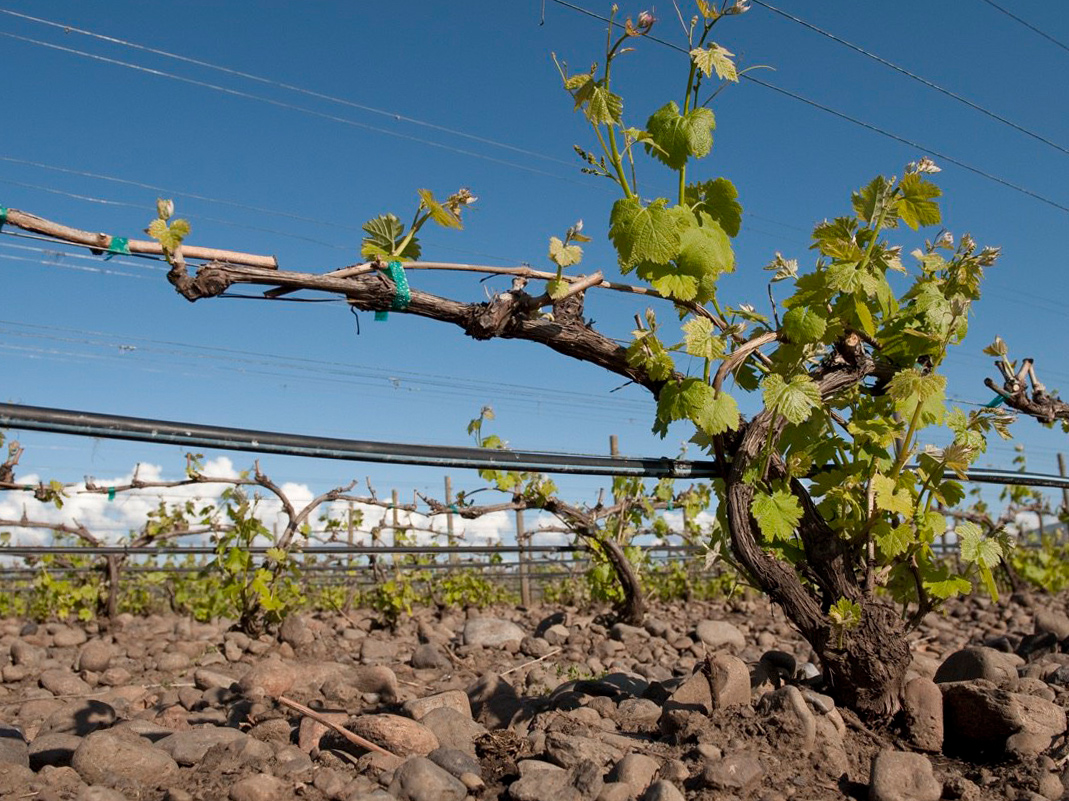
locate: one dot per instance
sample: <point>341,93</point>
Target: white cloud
<point>109,520</point>
<point>425,529</point>
<point>112,521</point>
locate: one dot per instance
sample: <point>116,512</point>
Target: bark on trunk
<point>868,673</point>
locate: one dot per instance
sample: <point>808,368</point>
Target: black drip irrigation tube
<point>138,429</point>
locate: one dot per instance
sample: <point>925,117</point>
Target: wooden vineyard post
<point>691,566</point>
<point>450,537</point>
<point>525,579</point>
<point>112,563</point>
<point>350,576</point>
<point>1065,491</point>
<point>396,525</point>
<point>349,536</point>
<point>396,517</point>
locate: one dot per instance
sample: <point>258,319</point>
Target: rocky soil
<point>541,704</point>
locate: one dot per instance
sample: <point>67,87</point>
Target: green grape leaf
<point>928,299</point>
<point>648,353</point>
<point>719,413</point>
<point>234,561</point>
<point>693,399</point>
<point>844,252</point>
<point>259,582</point>
<point>908,387</point>
<point>870,200</point>
<point>989,581</point>
<point>700,339</point>
<point>601,106</point>
<point>605,108</point>
<point>679,286</point>
<point>864,317</point>
<point>845,614</point>
<point>576,82</point>
<point>930,525</point>
<point>715,57</point>
<point>384,233</point>
<point>777,514</point>
<point>680,136</point>
<point>179,229</point>
<point>803,325</point>
<point>270,603</point>
<point>719,199</point>
<point>439,213</point>
<point>975,547</point>
<point>958,455</point>
<point>564,255</point>
<point>157,229</point>
<point>556,288</point>
<point>638,135</point>
<point>843,276</point>
<point>893,542</point>
<point>645,233</point>
<point>890,498</point>
<point>997,348</point>
<point>916,206</point>
<point>681,400</point>
<point>169,235</point>
<point>795,399</point>
<point>705,250</point>
<point>944,585</point>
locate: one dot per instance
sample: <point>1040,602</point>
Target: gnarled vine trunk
<point>865,666</point>
<point>632,610</point>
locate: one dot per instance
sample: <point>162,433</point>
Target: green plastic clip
<point>3,216</point>
<point>995,402</point>
<point>402,294</point>
<point>111,493</point>
<point>120,246</point>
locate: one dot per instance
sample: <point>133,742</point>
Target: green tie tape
<point>111,493</point>
<point>3,215</point>
<point>402,294</point>
<point>120,246</point>
<point>995,402</point>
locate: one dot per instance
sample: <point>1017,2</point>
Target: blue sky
<point>448,95</point>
